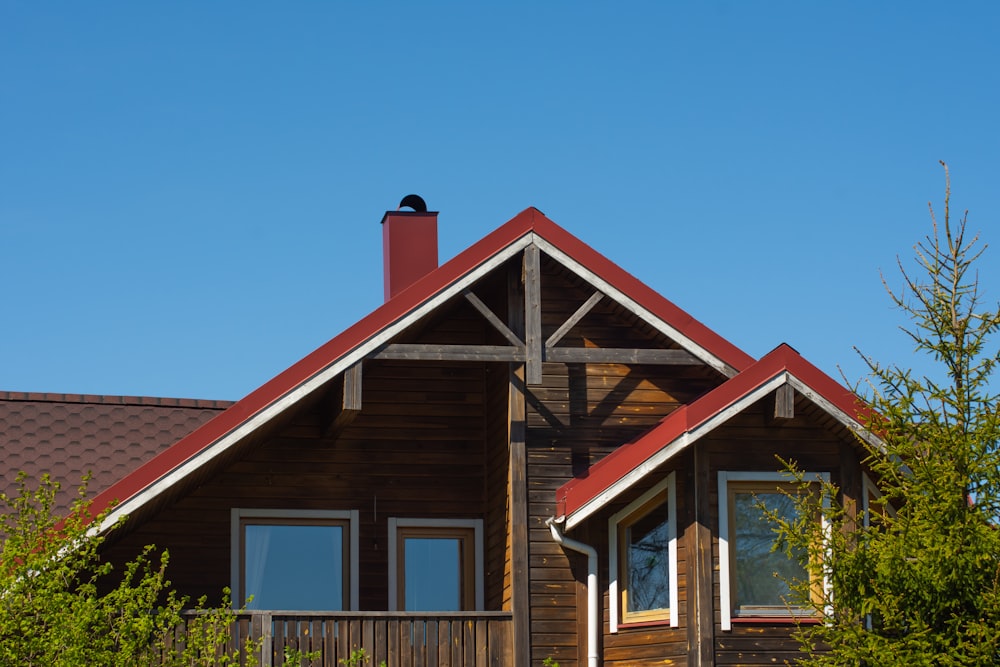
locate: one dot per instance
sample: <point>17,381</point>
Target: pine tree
<point>917,580</point>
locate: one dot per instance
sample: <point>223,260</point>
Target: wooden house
<point>524,453</point>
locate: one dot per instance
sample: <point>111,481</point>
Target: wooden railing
<point>400,639</point>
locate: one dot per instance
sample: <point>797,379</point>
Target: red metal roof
<point>584,491</point>
<point>70,435</point>
<point>395,310</point>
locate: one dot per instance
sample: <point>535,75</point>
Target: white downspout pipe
<point>593,627</point>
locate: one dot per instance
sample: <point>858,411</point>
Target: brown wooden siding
<point>432,439</point>
<point>579,414</point>
<point>750,442</point>
<point>418,449</point>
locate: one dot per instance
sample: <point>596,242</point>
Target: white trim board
<point>724,477</point>
<point>670,484</point>
<point>296,394</point>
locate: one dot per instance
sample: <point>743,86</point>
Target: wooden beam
<point>701,627</point>
<point>491,317</point>
<point>566,355</point>
<point>352,388</point>
<point>580,313</point>
<point>532,316</point>
<point>433,352</point>
<point>517,479</point>
<point>614,355</point>
<point>784,403</point>
<point>348,402</point>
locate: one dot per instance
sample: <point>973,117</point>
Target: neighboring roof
<point>606,480</point>
<point>219,435</point>
<point>70,435</point>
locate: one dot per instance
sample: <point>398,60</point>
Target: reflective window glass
<point>294,566</point>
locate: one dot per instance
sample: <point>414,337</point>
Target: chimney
<point>409,245</point>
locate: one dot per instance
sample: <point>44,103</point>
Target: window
<point>295,560</point>
<point>435,564</point>
<point>874,507</point>
<point>642,558</point>
<point>752,577</point>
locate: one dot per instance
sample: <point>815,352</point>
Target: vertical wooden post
<point>266,638</point>
<point>518,525</point>
<point>352,388</point>
<point>701,624</point>
<point>532,315</point>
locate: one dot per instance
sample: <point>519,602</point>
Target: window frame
<point>735,479</point>
<point>401,527</point>
<point>617,579</point>
<point>242,516</point>
<point>871,496</point>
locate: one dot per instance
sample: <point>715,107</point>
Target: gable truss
<point>532,351</point>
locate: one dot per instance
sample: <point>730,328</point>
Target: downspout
<point>592,609</point>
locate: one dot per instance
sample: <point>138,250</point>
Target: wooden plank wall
<point>431,441</point>
<point>418,449</point>
<point>578,415</point>
<point>749,442</point>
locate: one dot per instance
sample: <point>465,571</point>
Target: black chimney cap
<point>416,202</point>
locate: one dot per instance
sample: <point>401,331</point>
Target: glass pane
<point>647,541</point>
<point>433,574</point>
<point>761,575</point>
<point>295,567</point>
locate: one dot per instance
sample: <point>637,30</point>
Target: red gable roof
<point>290,385</point>
<point>612,475</point>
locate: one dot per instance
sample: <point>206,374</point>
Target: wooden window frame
<point>240,517</point>
<point>728,481</point>
<point>469,531</point>
<point>664,491</point>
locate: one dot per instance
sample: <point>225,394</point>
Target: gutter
<point>555,527</point>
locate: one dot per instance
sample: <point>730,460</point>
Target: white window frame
<point>395,523</point>
<point>870,490</point>
<point>670,485</point>
<point>237,514</point>
<point>726,476</point>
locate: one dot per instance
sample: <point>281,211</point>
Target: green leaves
<point>52,608</point>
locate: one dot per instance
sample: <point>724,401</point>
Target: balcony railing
<point>400,639</point>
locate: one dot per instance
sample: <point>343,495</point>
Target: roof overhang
<point>582,497</point>
<point>261,407</point>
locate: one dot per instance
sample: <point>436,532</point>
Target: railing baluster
<point>401,639</point>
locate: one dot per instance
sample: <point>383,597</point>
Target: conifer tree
<point>916,580</point>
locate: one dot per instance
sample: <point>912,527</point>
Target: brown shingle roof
<point>67,435</point>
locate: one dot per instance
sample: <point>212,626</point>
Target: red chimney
<point>409,245</point>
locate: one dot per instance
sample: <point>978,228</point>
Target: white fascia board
<point>849,421</point>
<point>629,304</point>
<point>289,399</point>
<point>671,449</point>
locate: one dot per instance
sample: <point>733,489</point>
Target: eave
<point>259,408</point>
<point>621,470</point>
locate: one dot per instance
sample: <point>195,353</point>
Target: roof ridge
<point>108,399</point>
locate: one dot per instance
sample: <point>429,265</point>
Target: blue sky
<point>190,192</point>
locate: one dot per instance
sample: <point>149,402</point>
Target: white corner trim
<point>236,544</point>
<point>396,523</point>
<point>726,476</point>
<point>614,613</point>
